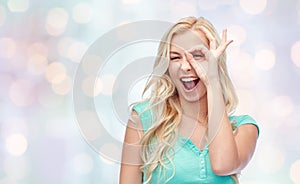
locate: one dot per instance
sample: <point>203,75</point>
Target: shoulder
<point>143,110</point>
<point>140,106</point>
<point>242,120</point>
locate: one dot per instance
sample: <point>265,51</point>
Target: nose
<point>185,65</point>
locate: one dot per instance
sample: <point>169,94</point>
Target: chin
<point>193,97</point>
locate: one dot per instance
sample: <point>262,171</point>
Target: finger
<point>199,69</point>
<point>223,46</point>
<point>221,49</point>
<point>201,48</point>
<point>224,39</point>
<point>194,63</point>
<point>210,37</point>
<point>224,43</point>
<point>208,56</point>
<point>228,43</point>
<point>224,36</point>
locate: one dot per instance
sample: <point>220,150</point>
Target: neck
<point>195,110</point>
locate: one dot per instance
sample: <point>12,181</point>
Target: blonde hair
<point>159,140</point>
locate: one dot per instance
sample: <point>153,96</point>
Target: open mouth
<point>190,82</point>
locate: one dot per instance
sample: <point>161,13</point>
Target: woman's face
<point>189,86</point>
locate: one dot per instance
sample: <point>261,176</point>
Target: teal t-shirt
<point>191,164</point>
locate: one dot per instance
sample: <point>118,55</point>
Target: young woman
<point>185,132</point>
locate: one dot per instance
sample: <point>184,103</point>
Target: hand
<point>208,70</point>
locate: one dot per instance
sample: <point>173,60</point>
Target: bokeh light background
<point>42,43</point>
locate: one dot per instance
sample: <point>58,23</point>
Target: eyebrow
<point>173,52</point>
<point>195,51</point>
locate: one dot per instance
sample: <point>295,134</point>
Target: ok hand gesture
<point>207,71</point>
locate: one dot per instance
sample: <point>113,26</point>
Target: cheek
<point>202,86</point>
<point>173,70</point>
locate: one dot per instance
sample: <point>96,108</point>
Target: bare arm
<point>229,153</point>
<point>130,172</point>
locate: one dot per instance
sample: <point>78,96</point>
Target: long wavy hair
<point>159,140</point>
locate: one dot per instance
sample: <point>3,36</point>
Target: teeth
<point>189,79</point>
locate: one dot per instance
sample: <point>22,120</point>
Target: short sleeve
<point>142,109</point>
<point>242,120</point>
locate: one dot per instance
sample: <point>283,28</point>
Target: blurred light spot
<point>37,64</point>
<point>13,125</point>
<point>71,49</point>
<point>82,163</point>
<point>247,102</point>
<point>182,8</point>
<point>18,5</point>
<point>107,83</point>
<point>47,98</point>
<point>264,45</point>
<point>232,53</point>
<point>7,180</point>
<point>63,46</point>
<point>299,15</point>
<point>82,13</point>
<point>16,168</point>
<point>21,92</point>
<point>89,64</point>
<point>63,87</point>
<point>243,61</point>
<point>105,160</point>
<point>16,144</point>
<point>263,110</point>
<point>211,5</point>
<point>7,47</point>
<point>5,82</point>
<point>243,71</point>
<point>76,51</point>
<point>207,5</point>
<point>238,34</point>
<point>282,106</point>
<point>2,15</point>
<point>38,49</point>
<point>274,160</point>
<point>89,124</point>
<point>298,11</point>
<point>253,7</point>
<point>110,152</point>
<point>227,2</point>
<point>59,128</point>
<point>130,1</point>
<point>56,21</point>
<point>295,54</point>
<point>56,73</point>
<point>294,172</point>
<point>264,59</point>
<point>92,86</point>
